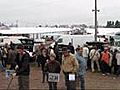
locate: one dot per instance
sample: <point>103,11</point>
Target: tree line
<point>112,24</point>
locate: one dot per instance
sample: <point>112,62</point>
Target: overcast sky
<point>33,12</point>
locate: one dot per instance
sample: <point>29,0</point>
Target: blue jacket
<point>82,64</point>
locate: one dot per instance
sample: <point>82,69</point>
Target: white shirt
<point>118,58</point>
<point>94,54</point>
<point>85,52</point>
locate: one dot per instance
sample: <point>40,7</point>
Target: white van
<point>74,39</point>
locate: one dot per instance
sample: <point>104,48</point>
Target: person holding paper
<point>23,68</point>
<point>82,68</point>
<point>69,67</point>
<point>53,68</point>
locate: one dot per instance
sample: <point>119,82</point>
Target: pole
<point>96,20</point>
<point>10,83</point>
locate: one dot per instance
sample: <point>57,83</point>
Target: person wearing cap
<point>23,68</point>
<point>52,66</point>
<point>69,67</point>
<point>71,48</point>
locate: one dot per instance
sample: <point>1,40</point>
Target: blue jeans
<point>82,82</point>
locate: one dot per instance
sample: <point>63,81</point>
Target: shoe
<point>108,74</point>
<point>93,71</point>
<point>42,81</point>
<point>114,77</point>
<point>103,74</point>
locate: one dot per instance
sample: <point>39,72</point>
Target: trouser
<point>71,85</point>
<point>38,62</point>
<point>93,66</point>
<point>44,75</point>
<point>4,61</point>
<point>115,67</point>
<point>105,67</point>
<point>82,82</point>
<point>12,66</point>
<point>52,85</point>
<point>118,71</point>
<point>86,58</point>
<point>23,82</point>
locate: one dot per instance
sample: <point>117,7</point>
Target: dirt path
<point>93,81</point>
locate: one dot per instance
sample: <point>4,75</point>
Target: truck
<point>74,39</point>
<point>16,40</point>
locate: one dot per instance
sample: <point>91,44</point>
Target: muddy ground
<point>93,81</point>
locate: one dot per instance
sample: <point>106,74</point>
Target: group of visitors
<point>106,61</point>
<point>73,65</point>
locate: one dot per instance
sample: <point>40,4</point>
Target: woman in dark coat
<point>43,59</point>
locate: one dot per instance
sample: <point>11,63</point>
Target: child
<point>53,68</point>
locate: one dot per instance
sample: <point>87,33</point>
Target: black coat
<point>42,60</point>
<point>23,64</point>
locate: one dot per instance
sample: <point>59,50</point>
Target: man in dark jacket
<point>23,71</point>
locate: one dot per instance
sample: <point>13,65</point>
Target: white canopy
<point>104,31</point>
<point>33,30</point>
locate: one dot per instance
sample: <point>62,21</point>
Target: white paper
<point>71,77</point>
<point>53,77</point>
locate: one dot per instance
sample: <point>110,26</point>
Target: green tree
<point>117,24</point>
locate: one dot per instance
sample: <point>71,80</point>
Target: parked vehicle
<point>74,39</point>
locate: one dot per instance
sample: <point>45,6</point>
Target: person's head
<point>6,45</point>
<point>20,49</point>
<point>118,51</point>
<point>115,50</point>
<point>105,49</point>
<point>70,44</point>
<point>65,51</point>
<point>85,45</point>
<point>78,46</point>
<point>52,56</point>
<point>44,51</point>
<point>95,47</point>
<point>78,50</point>
<point>11,42</point>
<point>50,47</point>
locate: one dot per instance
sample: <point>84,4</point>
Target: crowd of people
<point>72,62</point>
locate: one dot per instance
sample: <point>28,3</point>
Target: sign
<point>53,77</point>
<point>9,73</point>
<point>71,77</point>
